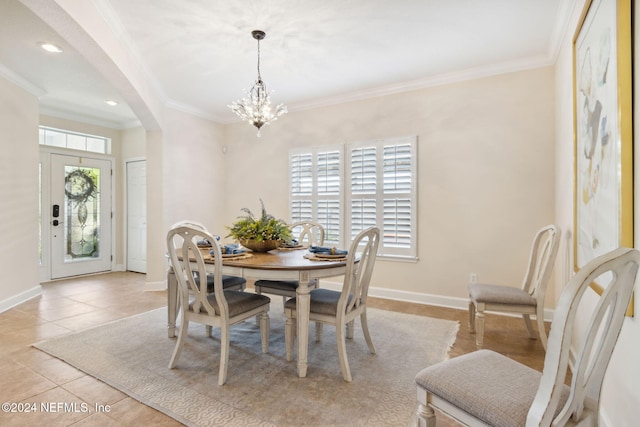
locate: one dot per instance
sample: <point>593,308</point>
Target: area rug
<point>132,355</point>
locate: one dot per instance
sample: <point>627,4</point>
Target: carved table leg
<point>303,304</point>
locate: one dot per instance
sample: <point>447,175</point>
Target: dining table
<point>278,264</point>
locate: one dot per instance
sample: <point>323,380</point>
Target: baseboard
<point>160,285</point>
<point>119,267</point>
<point>20,298</point>
<point>422,298</point>
<point>406,296</point>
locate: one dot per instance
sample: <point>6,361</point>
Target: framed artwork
<point>603,217</point>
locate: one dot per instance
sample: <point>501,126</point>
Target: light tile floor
<point>30,377</point>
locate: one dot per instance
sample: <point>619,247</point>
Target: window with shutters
<point>373,183</point>
<point>317,190</point>
<point>381,191</point>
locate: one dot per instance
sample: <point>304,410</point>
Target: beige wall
<point>620,393</point>
<point>194,170</point>
<point>156,232</point>
<point>485,167</point>
<point>133,143</point>
<point>19,156</point>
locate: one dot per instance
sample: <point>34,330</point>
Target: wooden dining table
<point>277,264</point>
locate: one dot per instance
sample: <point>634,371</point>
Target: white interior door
<point>137,216</point>
<point>80,215</point>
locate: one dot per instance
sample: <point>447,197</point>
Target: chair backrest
<point>190,223</point>
<point>594,346</point>
<point>310,232</point>
<point>360,261</point>
<point>541,261</point>
<point>188,263</point>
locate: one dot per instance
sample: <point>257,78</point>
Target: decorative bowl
<point>262,246</point>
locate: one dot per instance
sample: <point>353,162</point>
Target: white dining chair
<point>229,282</point>
<point>485,388</point>
<point>309,233</point>
<point>526,300</point>
<point>341,308</point>
<point>222,308</point>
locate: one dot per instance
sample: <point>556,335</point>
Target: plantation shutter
<point>301,181</point>
<point>378,189</point>
<point>316,189</point>
<point>381,190</point>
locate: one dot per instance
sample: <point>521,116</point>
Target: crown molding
<point>185,108</point>
<point>561,29</point>
<point>20,81</point>
<point>427,82</point>
<point>90,120</point>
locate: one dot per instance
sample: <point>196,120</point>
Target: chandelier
<point>255,108</point>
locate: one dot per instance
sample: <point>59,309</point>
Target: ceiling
<point>199,55</point>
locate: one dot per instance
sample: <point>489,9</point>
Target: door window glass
<point>82,213</point>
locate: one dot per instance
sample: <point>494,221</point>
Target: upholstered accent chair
<point>528,299</point>
<point>484,388</point>
<point>341,308</point>
<point>309,233</point>
<point>222,308</point>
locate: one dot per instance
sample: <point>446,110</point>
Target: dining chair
<point>528,299</point>
<point>228,282</point>
<point>341,308</point>
<point>309,234</point>
<point>485,388</point>
<point>222,308</point>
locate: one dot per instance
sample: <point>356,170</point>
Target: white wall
<point>620,394</point>
<point>486,173</point>
<point>19,158</point>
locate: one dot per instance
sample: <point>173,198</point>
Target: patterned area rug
<point>132,355</point>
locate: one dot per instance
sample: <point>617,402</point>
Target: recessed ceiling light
<point>111,102</point>
<point>50,47</point>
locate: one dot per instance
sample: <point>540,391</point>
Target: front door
<point>80,215</point>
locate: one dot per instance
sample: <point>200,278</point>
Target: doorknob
<point>56,222</point>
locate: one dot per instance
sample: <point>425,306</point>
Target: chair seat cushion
<point>239,302</point>
<point>500,295</point>
<point>227,282</point>
<point>487,385</point>
<point>280,285</point>
<point>323,301</point>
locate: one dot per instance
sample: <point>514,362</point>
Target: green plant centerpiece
<point>260,234</point>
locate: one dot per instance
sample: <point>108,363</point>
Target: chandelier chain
<point>259,77</point>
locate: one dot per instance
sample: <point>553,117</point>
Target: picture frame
<point>603,132</point>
